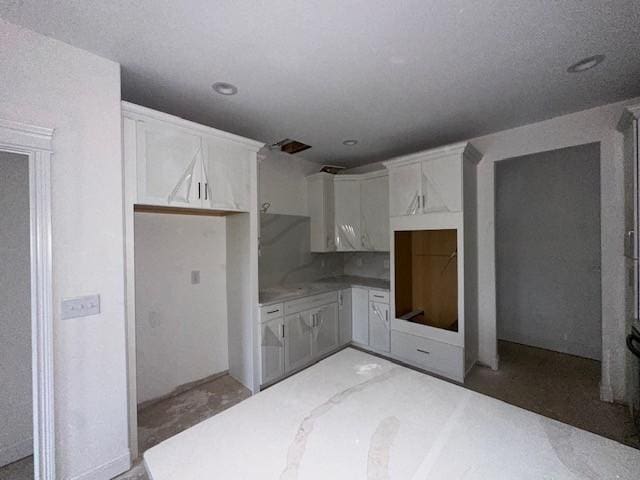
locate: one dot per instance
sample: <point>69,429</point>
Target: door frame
<point>36,144</point>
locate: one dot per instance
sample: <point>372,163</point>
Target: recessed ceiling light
<point>586,64</point>
<point>224,88</point>
<point>350,143</point>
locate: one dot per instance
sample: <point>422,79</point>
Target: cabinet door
<point>345,316</point>
<point>321,211</point>
<point>347,215</point>
<point>298,337</point>
<point>226,175</point>
<point>168,165</point>
<point>326,330</point>
<point>441,185</point>
<point>374,206</point>
<point>360,315</point>
<point>272,353</point>
<point>404,190</point>
<point>379,326</point>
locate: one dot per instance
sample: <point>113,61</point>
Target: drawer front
<point>307,303</point>
<point>270,312</point>
<point>437,357</point>
<point>380,296</point>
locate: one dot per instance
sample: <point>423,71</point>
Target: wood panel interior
<point>181,211</point>
<point>426,277</point>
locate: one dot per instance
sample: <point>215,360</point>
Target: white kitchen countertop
<point>283,293</point>
<point>354,416</point>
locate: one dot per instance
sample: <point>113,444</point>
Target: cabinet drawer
<point>270,312</point>
<point>307,303</point>
<point>438,357</point>
<point>379,296</point>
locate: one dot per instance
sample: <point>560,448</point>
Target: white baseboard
<point>108,470</point>
<point>16,452</point>
<point>606,392</point>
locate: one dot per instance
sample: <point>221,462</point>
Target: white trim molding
<point>36,144</point>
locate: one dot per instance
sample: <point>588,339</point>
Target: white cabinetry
<point>404,189</point>
<point>321,210</point>
<point>374,213</point>
<point>169,165</point>
<point>298,334</point>
<point>325,334</point>
<point>425,182</point>
<point>183,164</point>
<point>349,213</point>
<point>272,350</point>
<point>360,312</point>
<point>345,316</point>
<point>429,193</point>
<point>379,326</point>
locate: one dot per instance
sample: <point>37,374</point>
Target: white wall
<point>51,84</point>
<point>282,181</point>
<point>16,426</point>
<point>181,328</point>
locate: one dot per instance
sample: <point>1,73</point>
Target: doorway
<point>16,399</point>
<point>547,215</point>
<point>27,447</point>
<point>548,291</point>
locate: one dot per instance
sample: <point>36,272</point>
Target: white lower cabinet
<point>379,326</point>
<point>438,357</point>
<point>345,316</point>
<point>272,345</point>
<point>325,330</point>
<point>298,331</point>
<point>360,312</point>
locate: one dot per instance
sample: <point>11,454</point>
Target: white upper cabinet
<point>226,175</point>
<point>441,185</point>
<point>429,182</point>
<point>183,164</point>
<point>347,215</point>
<point>374,208</point>
<point>169,165</point>
<point>404,190</point>
<point>321,211</point>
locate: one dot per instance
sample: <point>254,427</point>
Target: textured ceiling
<point>398,76</point>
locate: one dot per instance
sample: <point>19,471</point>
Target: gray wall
<point>15,305</point>
<point>548,250</point>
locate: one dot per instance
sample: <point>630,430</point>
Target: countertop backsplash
<point>285,256</point>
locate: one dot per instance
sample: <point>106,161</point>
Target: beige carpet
<point>556,385</point>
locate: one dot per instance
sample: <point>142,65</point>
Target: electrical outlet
<point>195,277</point>
<point>386,264</point>
<point>80,306</point>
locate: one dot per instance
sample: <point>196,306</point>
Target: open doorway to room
<point>548,290</point>
<point>16,398</point>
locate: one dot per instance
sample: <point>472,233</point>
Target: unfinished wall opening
<point>426,277</point>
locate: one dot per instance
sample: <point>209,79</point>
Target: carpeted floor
<point>556,385</point>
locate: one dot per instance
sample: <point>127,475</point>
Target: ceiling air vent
<point>289,146</point>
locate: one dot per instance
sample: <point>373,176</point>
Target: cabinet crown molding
<point>138,112</point>
<point>629,114</point>
<point>466,149</point>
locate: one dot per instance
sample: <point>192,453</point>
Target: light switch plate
<point>80,306</point>
<point>195,277</point>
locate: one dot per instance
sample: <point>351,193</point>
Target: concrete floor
<point>164,419</point>
<point>556,385</point>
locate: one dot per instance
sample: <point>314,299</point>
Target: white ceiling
<point>398,76</point>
